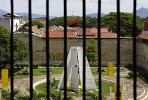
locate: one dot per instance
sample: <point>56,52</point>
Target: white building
<point>17,21</point>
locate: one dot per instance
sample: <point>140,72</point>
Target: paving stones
<point>127,94</point>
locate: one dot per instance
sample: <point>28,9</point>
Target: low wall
<point>108,46</point>
<point>109,51</point>
<point>142,55</point>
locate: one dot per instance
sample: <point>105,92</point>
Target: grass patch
<point>105,89</point>
<point>104,70</point>
<point>42,71</point>
<point>39,72</point>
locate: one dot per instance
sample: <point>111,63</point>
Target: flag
<point>73,23</point>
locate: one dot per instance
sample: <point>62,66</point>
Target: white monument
<point>75,61</point>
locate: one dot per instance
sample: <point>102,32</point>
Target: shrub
<point>22,65</point>
<point>24,71</point>
<point>57,95</point>
<point>91,96</point>
<point>37,95</point>
<point>17,95</point>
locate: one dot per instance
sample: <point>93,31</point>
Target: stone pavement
<point>127,94</point>
<point>127,91</point>
<point>23,83</point>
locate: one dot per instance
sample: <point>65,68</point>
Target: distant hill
<point>2,12</point>
<point>34,15</point>
<point>142,12</point>
<point>95,15</point>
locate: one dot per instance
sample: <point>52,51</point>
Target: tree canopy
<point>145,19</point>
<point>109,20</point>
<point>126,22</point>
<point>19,48</point>
<point>91,52</point>
<point>34,22</point>
<point>59,21</point>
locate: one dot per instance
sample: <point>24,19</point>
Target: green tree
<point>19,48</point>
<point>145,19</point>
<point>91,52</point>
<point>52,55</point>
<point>91,22</point>
<point>59,21</point>
<point>34,22</point>
<point>126,22</point>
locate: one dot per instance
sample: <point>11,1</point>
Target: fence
<point>84,50</point>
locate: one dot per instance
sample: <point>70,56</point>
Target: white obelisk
<point>75,60</point>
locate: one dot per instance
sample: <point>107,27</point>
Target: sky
<point>74,7</point>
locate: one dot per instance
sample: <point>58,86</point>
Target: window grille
<point>65,49</point>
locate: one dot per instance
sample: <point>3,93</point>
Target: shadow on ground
<point>141,73</point>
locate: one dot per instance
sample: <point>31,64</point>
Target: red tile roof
<point>78,33</point>
<point>143,36</point>
<point>38,32</point>
<point>144,33</point>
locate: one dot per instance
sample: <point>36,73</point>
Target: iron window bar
<point>99,50</point>
<point>134,51</point>
<point>47,51</point>
<point>118,50</point>
<point>11,51</point>
<point>65,49</point>
<point>30,48</point>
<point>84,48</point>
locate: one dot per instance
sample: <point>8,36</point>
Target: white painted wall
<point>6,22</point>
<point>16,24</point>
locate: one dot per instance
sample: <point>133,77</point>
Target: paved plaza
<point>127,92</point>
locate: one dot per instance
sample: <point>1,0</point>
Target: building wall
<point>16,24</point>
<point>23,20</point>
<point>7,23</point>
<point>142,54</point>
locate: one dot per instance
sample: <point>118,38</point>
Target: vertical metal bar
<point>65,49</point>
<point>30,49</point>
<point>118,50</point>
<point>99,49</point>
<point>47,49</point>
<point>134,51</point>
<point>11,51</point>
<point>84,48</point>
